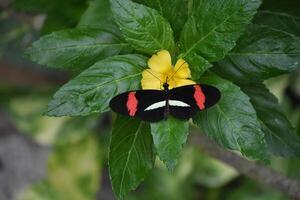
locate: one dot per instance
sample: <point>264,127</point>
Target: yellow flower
<point>162,70</point>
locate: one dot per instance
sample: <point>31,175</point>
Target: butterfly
<point>155,105</point>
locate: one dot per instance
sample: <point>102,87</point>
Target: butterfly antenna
<point>177,70</point>
<point>151,73</point>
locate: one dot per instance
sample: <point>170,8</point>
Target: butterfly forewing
<point>199,97</point>
<point>148,105</point>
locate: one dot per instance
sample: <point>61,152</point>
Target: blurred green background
<point>43,158</point>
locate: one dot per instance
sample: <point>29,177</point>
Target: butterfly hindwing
<point>198,97</point>
<point>148,105</point>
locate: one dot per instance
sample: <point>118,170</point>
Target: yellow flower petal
<point>149,81</point>
<point>182,69</point>
<point>183,82</point>
<point>161,70</point>
<point>160,62</point>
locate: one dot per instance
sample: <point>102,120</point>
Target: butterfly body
<point>155,105</point>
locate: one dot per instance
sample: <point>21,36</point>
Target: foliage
<point>79,47</point>
<point>223,48</point>
<point>168,137</point>
<point>213,38</point>
<point>131,154</point>
<point>235,127</point>
<point>56,18</point>
<point>268,109</point>
<point>92,90</point>
<point>257,57</point>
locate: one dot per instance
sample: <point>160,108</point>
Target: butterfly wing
<point>147,105</point>
<point>186,101</point>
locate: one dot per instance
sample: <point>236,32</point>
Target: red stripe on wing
<point>131,104</point>
<point>199,97</point>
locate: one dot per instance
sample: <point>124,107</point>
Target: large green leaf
<point>260,54</point>
<point>278,20</point>
<point>175,11</point>
<point>233,122</point>
<point>131,154</point>
<point>280,136</point>
<point>91,91</point>
<point>98,14</point>
<point>215,25</point>
<point>169,136</point>
<point>77,48</point>
<point>144,28</point>
<point>282,14</point>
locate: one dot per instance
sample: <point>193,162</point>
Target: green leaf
<point>280,135</point>
<point>215,25</point>
<point>91,91</point>
<point>257,57</point>
<point>278,20</point>
<point>198,65</point>
<point>233,122</point>
<point>98,14</point>
<point>131,154</point>
<point>144,28</point>
<point>169,136</point>
<point>281,15</point>
<point>175,11</point>
<point>77,48</point>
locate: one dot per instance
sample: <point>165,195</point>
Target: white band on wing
<point>178,103</point>
<point>156,105</point>
<point>161,104</point>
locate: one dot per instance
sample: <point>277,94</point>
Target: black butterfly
<point>155,105</point>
